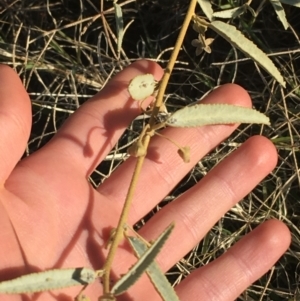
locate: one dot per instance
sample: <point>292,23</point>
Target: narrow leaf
<point>142,264</point>
<point>238,40</point>
<point>142,86</point>
<point>205,114</point>
<point>280,13</point>
<point>48,280</point>
<point>291,2</point>
<point>252,11</point>
<point>230,13</point>
<point>206,8</point>
<point>157,277</point>
<point>119,24</point>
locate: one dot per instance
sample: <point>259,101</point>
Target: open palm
<point>51,217</point>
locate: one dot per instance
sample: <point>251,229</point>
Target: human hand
<point>51,217</point>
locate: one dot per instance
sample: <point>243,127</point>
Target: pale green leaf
<point>142,264</point>
<point>142,86</point>
<point>206,8</point>
<point>119,24</point>
<point>238,40</point>
<point>291,2</point>
<point>280,13</point>
<point>48,280</point>
<point>157,277</point>
<point>230,13</point>
<point>205,114</point>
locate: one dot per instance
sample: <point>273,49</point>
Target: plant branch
<point>170,66</point>
<point>146,135</point>
<point>118,236</point>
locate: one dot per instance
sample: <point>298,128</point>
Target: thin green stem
<point>146,135</point>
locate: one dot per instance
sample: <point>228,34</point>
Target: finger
<point>227,277</point>
<point>197,210</point>
<point>163,168</point>
<point>15,120</point>
<point>91,132</point>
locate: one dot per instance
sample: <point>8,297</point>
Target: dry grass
<point>64,55</point>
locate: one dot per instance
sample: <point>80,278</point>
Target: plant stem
<point>145,141</point>
<point>123,220</point>
<point>170,66</point>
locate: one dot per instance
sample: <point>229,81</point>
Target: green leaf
<point>157,277</point>
<point>230,13</point>
<point>48,280</point>
<point>291,2</point>
<point>205,114</point>
<point>119,24</point>
<point>142,86</point>
<point>206,8</point>
<point>280,13</point>
<point>238,40</point>
<point>142,264</point>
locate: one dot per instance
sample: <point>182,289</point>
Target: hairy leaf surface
<point>48,280</point>
<point>206,8</point>
<point>238,40</point>
<point>157,277</point>
<point>280,13</point>
<point>142,264</point>
<point>230,13</point>
<point>205,114</point>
